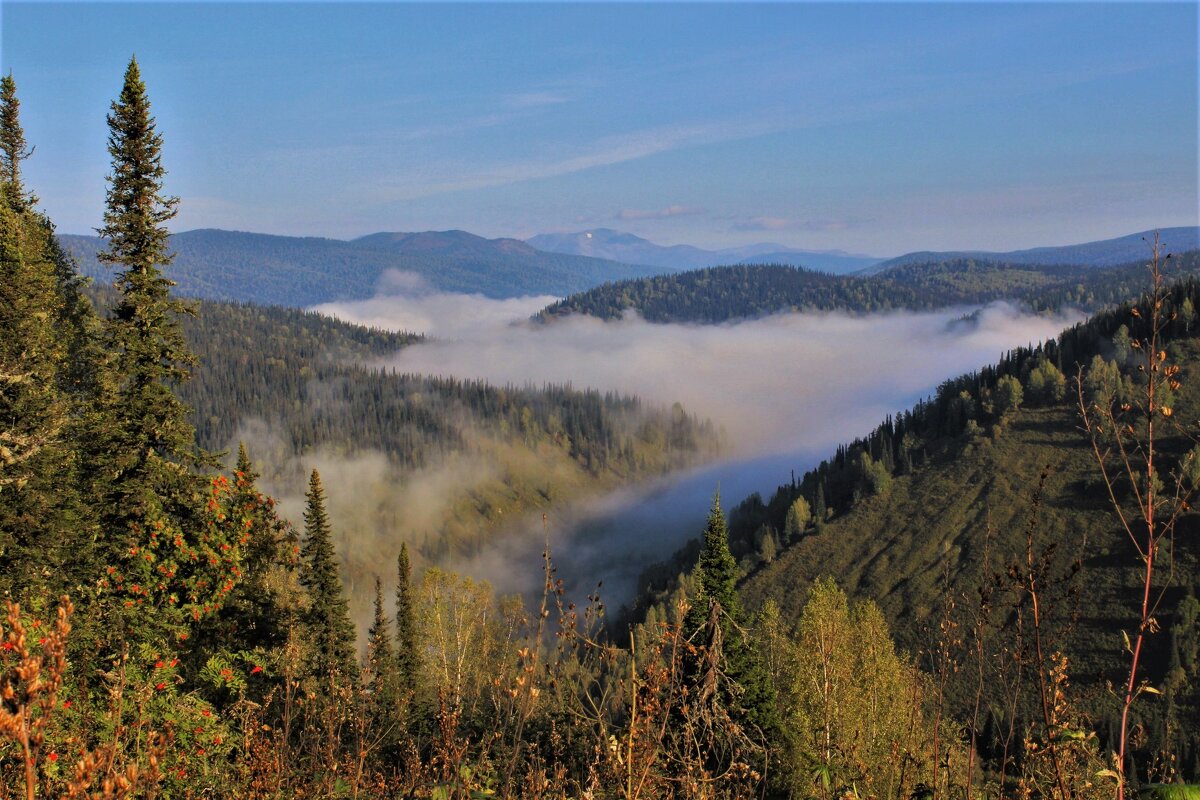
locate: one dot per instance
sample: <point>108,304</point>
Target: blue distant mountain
<point>626,247</point>
<point>1106,253</point>
<point>304,271</point>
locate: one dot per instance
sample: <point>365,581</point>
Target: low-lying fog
<point>786,388</point>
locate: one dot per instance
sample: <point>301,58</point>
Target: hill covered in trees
<point>307,271</point>
<point>946,515</point>
<point>722,294</point>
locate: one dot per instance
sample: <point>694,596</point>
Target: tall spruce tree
<point>152,453</point>
<point>406,624</point>
<point>38,504</point>
<point>328,620</point>
<point>144,462</point>
<point>383,673</point>
<point>753,700</point>
<point>13,148</point>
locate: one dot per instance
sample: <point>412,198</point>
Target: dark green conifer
<point>142,460</point>
<point>13,148</point>
<point>717,570</point>
<point>406,625</point>
<point>38,504</point>
<point>382,671</point>
<point>149,454</point>
<point>753,699</point>
<point>819,508</point>
<point>328,620</point>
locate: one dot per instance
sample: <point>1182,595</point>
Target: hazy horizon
<point>868,128</point>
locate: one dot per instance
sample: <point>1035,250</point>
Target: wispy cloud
<point>795,224</point>
<point>661,213</point>
<point>535,99</point>
<point>607,151</point>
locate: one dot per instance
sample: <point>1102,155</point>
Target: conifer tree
<point>142,460</point>
<point>754,699</point>
<point>717,569</point>
<point>38,505</point>
<point>261,609</point>
<point>383,672</point>
<point>819,510</point>
<point>406,625</point>
<point>13,148</point>
<point>149,450</point>
<point>328,620</point>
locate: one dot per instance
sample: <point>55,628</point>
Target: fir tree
<point>38,504</point>
<point>149,451</point>
<point>406,625</point>
<point>328,620</point>
<point>753,700</point>
<point>143,461</point>
<point>382,670</point>
<point>13,149</point>
<point>717,570</point>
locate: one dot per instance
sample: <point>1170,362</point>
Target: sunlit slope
<point>961,527</point>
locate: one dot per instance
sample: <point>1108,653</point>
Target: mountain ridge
<point>630,248</point>
<point>1097,253</point>
<point>216,264</point>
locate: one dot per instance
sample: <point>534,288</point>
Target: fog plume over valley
<point>774,384</point>
<point>786,389</point>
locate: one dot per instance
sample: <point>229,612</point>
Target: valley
<point>612,401</point>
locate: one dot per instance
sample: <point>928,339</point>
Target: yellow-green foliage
<point>854,712</point>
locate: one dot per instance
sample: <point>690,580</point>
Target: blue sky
<point>876,128</point>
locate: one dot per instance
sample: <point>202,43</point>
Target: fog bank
<point>786,388</point>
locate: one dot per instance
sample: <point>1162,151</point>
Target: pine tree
<point>406,625</point>
<point>150,447</point>
<point>328,620</point>
<point>142,459</point>
<point>382,669</point>
<point>13,148</point>
<point>38,504</point>
<point>753,701</point>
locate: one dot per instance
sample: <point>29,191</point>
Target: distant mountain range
<point>304,271</point>
<point>1106,253</point>
<point>618,246</point>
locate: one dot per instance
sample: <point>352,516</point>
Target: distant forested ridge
<point>1105,253</point>
<point>722,294</point>
<point>306,271</point>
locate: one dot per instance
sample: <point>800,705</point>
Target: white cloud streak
<point>661,213</point>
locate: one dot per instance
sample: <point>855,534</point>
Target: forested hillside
<point>303,389</point>
<point>307,271</point>
<point>722,294</point>
<point>944,513</point>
